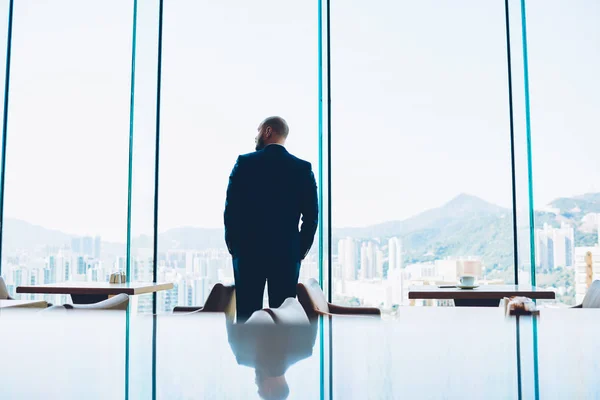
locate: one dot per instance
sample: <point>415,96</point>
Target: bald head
<point>278,125</point>
<point>273,130</point>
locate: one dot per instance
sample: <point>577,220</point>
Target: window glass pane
<point>564,60</point>
<point>141,259</point>
<point>68,128</point>
<point>421,148</point>
<point>226,67</point>
<point>4,11</point>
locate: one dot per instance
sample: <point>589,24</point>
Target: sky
<point>419,105</point>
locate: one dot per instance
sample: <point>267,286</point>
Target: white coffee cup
<point>467,280</point>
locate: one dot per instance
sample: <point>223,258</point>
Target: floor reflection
<point>271,350</point>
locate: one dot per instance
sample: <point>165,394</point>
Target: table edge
<point>94,291</point>
<point>429,295</point>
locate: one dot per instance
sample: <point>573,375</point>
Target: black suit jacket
<point>269,191</point>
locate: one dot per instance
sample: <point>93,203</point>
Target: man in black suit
<point>269,191</point>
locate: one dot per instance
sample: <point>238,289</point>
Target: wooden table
<point>23,304</point>
<point>425,353</point>
<point>93,292</point>
<point>483,296</point>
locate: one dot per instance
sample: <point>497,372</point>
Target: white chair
<point>592,297</point>
<point>4,291</point>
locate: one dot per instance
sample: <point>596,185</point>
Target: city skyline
<point>375,270</point>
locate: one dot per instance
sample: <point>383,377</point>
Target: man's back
<point>269,190</point>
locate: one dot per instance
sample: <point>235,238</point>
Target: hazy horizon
<point>334,228</point>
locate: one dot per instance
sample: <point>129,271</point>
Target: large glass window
<point>422,175</point>
<point>421,147</point>
<point>143,149</point>
<point>564,60</point>
<point>226,66</point>
<point>68,124</point>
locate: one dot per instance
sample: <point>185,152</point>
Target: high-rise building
<point>51,270</point>
<point>189,262</point>
<point>372,249</point>
<point>87,246</point>
<point>364,262</point>
<point>394,254</point>
<point>97,247</point>
<point>555,247</point>
<point>564,246</point>
<point>379,260</point>
<point>347,258</point>
<point>341,255</point>
<point>19,276</point>
<point>120,264</point>
<point>397,284</point>
<point>80,265</point>
<point>76,245</point>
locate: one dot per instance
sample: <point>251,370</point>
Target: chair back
<point>290,312</point>
<point>592,297</point>
<point>118,302</point>
<point>219,298</point>
<point>3,290</point>
<point>312,298</point>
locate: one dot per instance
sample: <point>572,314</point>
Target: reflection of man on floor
<point>269,191</point>
<point>271,350</point>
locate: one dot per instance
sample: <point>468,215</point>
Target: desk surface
<point>428,352</point>
<point>23,304</point>
<point>96,288</point>
<point>482,292</point>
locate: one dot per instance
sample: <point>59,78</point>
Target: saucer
<point>467,286</point>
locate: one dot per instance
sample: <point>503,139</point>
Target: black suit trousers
<point>250,276</point>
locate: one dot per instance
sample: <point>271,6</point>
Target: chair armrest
<point>334,309</point>
<point>186,309</point>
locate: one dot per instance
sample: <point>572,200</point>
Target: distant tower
<point>391,255</point>
<point>76,245</point>
<point>87,246</point>
<point>394,254</point>
<point>364,261</point>
<point>341,255</point>
<point>372,259</point>
<point>349,259</point>
<point>379,265</point>
<point>97,247</point>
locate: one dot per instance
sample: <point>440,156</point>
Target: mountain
<point>581,212</point>
<point>462,206</point>
<point>587,203</point>
<point>21,235</point>
<point>464,226</point>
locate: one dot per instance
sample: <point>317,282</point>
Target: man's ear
<point>269,131</point>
